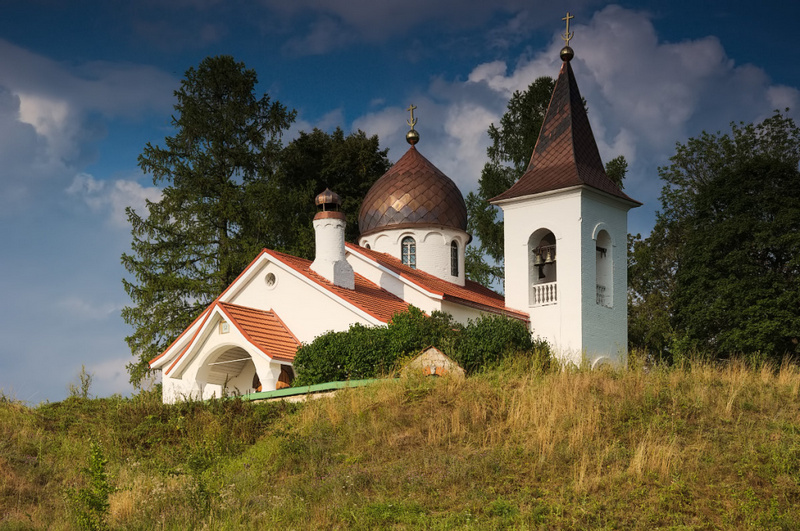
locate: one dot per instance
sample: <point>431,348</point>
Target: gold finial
<point>567,35</point>
<point>412,137</point>
<point>413,120</point>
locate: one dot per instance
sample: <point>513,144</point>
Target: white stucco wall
<point>560,323</point>
<point>433,248</point>
<point>307,309</point>
<point>605,331</point>
<point>462,314</point>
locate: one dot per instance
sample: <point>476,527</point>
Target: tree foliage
<point>186,249</point>
<point>349,165</point>
<point>721,270</point>
<point>230,188</point>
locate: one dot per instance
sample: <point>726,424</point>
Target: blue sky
<point>85,84</point>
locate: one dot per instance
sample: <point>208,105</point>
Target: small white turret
<point>329,258</point>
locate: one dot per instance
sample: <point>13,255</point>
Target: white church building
<point>565,228</point>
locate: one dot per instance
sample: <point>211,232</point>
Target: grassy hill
<point>698,447</point>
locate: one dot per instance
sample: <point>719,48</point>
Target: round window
<point>271,280</point>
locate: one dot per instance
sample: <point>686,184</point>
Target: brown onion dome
<point>328,200</point>
<point>412,193</point>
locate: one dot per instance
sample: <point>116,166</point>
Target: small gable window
<point>409,252</point>
<point>454,258</point>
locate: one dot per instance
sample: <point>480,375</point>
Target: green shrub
<point>368,352</point>
<point>90,504</point>
<point>491,338</point>
<point>358,353</point>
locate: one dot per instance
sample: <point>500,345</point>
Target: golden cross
<point>567,36</point>
<point>413,120</point>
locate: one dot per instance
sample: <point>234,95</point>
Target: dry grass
<point>700,446</point>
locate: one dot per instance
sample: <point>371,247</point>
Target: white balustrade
<point>543,294</point>
<point>602,298</point>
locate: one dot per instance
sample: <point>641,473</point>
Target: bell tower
<point>566,226</point>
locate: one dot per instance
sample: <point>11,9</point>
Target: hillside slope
<point>703,447</point>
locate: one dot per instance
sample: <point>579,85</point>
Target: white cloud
<point>113,197</point>
<point>52,115</point>
<point>388,123</point>
<point>781,97</point>
<point>643,95</point>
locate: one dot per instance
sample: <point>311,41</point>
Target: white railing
<point>602,298</point>
<point>543,294</point>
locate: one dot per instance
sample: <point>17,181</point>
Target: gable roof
<point>471,294</point>
<point>566,153</point>
<point>264,329</point>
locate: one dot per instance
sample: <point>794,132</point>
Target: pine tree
<point>189,245</point>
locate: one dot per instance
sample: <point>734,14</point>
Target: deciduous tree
<point>347,164</point>
<point>509,155</point>
<point>723,260</point>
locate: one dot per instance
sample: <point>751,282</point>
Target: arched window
<point>542,268</point>
<point>604,266</point>
<point>454,258</point>
<point>409,252</point>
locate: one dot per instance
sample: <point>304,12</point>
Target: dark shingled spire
<point>566,154</point>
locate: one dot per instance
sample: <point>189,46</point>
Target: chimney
<point>329,260</point>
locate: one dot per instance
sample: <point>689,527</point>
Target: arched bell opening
<point>604,269</point>
<point>542,268</point>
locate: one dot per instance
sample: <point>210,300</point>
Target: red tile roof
<point>366,296</point>
<point>566,153</point>
<point>471,294</point>
<point>263,329</point>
